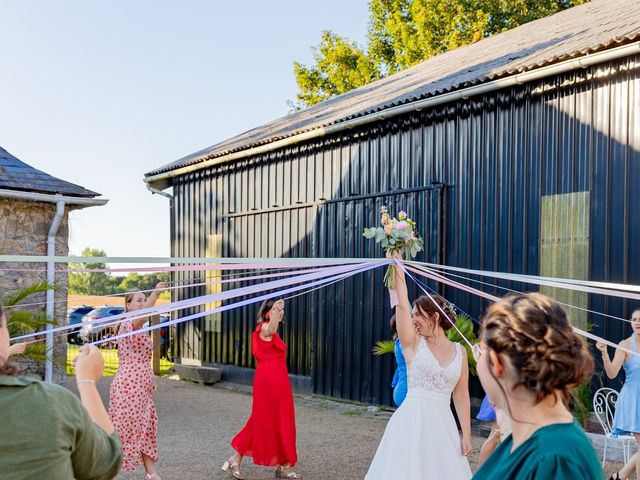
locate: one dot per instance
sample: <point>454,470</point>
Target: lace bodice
<point>424,371</point>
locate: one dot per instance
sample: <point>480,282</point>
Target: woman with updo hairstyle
<point>131,406</point>
<point>529,360</point>
<point>421,440</point>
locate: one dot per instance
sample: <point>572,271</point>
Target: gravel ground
<point>335,439</point>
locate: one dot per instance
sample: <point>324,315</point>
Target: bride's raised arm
<point>404,324</point>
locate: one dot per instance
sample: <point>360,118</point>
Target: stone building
<point>34,220</point>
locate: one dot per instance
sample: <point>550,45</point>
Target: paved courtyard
<point>196,423</point>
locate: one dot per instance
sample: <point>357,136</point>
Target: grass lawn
<point>110,361</point>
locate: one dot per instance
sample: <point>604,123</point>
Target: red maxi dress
<point>270,433</point>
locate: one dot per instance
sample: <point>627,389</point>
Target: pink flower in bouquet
<point>407,244</point>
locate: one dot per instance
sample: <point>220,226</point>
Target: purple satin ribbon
<point>242,303</point>
<point>215,297</point>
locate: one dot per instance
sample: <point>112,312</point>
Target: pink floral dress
<point>131,408</point>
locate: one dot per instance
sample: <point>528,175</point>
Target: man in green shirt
<point>46,432</point>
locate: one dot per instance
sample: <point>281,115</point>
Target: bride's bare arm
<point>404,325</point>
<point>462,404</point>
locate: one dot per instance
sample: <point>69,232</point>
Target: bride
<point>421,440</point>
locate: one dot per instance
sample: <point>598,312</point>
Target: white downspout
<point>60,201</point>
<point>51,252</point>
<point>159,192</point>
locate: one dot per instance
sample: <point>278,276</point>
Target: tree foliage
<point>90,283</point>
<point>341,65</point>
<point>402,33</point>
<point>103,283</point>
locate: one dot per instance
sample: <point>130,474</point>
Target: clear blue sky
<point>98,93</point>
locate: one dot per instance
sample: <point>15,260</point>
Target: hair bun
<point>535,333</point>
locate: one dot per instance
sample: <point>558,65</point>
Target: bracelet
<point>85,381</point>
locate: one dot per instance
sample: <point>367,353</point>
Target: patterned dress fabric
<point>131,408</point>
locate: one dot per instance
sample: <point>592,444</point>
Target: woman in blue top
<point>488,414</point>
<point>399,382</point>
<point>529,361</point>
<point>626,420</point>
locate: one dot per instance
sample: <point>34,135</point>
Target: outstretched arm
<point>612,367</point>
<point>153,298</point>
<point>462,404</point>
<point>17,348</point>
<point>276,315</point>
<point>404,325</point>
<point>151,301</point>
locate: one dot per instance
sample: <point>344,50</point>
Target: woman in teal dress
<point>626,420</point>
<point>529,360</point>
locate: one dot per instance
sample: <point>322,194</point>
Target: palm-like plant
<point>383,346</point>
<point>463,323</point>
<point>21,321</point>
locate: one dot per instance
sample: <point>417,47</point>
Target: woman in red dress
<point>270,433</point>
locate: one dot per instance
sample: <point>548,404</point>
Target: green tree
<point>132,280</point>
<point>341,65</point>
<point>91,283</point>
<point>402,33</point>
<point>144,282</point>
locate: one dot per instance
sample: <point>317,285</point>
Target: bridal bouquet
<point>396,235</point>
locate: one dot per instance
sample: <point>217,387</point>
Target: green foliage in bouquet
<point>396,236</point>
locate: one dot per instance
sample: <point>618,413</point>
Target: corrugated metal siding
<point>496,155</point>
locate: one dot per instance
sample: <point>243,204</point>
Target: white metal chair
<point>604,402</point>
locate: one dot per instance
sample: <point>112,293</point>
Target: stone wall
<point>24,227</point>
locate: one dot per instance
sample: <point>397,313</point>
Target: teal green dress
<point>556,452</point>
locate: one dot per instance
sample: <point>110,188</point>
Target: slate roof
<point>17,175</point>
<point>592,27</point>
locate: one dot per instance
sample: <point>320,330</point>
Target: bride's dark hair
<point>427,306</point>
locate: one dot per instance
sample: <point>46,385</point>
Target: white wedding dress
<point>421,441</point>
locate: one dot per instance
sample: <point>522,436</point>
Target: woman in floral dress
<point>131,408</point>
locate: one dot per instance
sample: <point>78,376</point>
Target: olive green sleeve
<point>96,455</point>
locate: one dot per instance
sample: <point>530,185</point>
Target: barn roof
<point>17,175</point>
<point>577,32</point>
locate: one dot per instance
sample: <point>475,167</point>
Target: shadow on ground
<point>335,439</point>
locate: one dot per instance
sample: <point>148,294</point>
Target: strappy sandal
<point>231,467</point>
<point>153,476</point>
<point>282,473</point>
